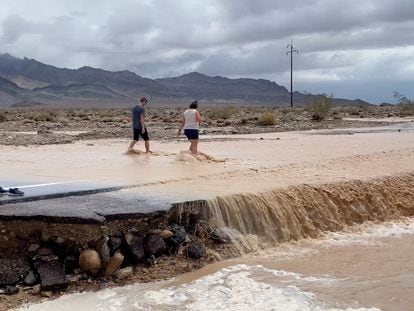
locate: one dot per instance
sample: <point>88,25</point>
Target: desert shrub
<point>320,107</point>
<point>244,121</point>
<point>222,112</point>
<point>405,105</point>
<point>3,117</point>
<point>406,110</point>
<point>267,119</point>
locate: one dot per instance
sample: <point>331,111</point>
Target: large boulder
<point>115,262</point>
<point>52,275</point>
<point>12,270</point>
<point>135,246</point>
<point>103,249</point>
<point>154,245</point>
<point>90,261</point>
<point>196,250</point>
<point>179,236</point>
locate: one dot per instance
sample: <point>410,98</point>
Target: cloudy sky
<point>351,48</point>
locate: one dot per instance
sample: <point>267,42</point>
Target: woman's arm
<point>181,126</point>
<point>199,119</point>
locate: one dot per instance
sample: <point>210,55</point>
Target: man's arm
<point>142,119</point>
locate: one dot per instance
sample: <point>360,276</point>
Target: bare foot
<point>131,150</point>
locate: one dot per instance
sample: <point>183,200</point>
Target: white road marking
<point>43,185</point>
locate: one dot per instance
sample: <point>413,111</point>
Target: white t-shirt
<point>190,119</point>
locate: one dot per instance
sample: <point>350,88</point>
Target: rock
<point>33,247</point>
<point>196,250</point>
<point>30,278</point>
<point>166,234</point>
<point>115,262</point>
<point>104,251</point>
<point>124,273</point>
<point>70,263</point>
<point>135,245</point>
<point>179,236</point>
<point>10,290</point>
<point>220,236</point>
<point>75,278</point>
<point>46,294</point>
<point>52,275</point>
<point>90,261</point>
<point>35,290</point>
<point>155,231</point>
<point>12,270</point>
<point>44,251</point>
<point>115,243</point>
<point>154,244</point>
<point>193,220</point>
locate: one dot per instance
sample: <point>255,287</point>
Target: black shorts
<point>138,133</point>
<point>191,134</point>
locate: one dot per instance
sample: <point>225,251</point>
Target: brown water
<point>321,214</point>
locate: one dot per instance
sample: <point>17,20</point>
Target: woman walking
<point>190,122</point>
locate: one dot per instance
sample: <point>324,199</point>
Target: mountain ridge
<point>98,87</point>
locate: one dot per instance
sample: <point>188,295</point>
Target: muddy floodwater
<point>367,268</point>
<point>324,219</point>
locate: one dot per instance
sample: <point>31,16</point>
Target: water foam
<point>235,288</point>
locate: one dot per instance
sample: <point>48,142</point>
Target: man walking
<point>138,124</point>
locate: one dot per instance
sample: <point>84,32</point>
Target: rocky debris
<point>115,262</point>
<point>12,270</point>
<point>70,263</point>
<point>33,247</point>
<point>124,273</point>
<point>179,236</point>
<point>166,234</point>
<point>135,246</point>
<point>196,250</point>
<point>90,261</point>
<point>220,236</point>
<point>52,275</point>
<point>154,245</point>
<point>30,278</point>
<point>9,290</point>
<point>115,243</point>
<point>49,263</point>
<point>44,251</point>
<point>104,251</point>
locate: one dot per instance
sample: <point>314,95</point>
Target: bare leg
<point>147,146</point>
<point>132,144</point>
<point>195,150</point>
<point>193,146</point>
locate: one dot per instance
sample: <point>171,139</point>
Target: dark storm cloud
<point>341,40</point>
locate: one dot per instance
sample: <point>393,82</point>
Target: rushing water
<point>323,223</point>
<point>367,268</point>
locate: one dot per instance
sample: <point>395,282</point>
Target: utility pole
<point>292,50</point>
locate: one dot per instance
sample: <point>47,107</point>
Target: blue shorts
<point>191,134</point>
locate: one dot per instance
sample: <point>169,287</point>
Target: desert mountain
<point>27,80</point>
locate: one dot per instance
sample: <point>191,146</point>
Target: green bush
<point>267,119</point>
<point>320,107</point>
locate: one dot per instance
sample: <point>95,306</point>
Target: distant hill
<point>41,83</point>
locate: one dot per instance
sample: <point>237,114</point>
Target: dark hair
<point>194,105</point>
<point>143,100</point>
